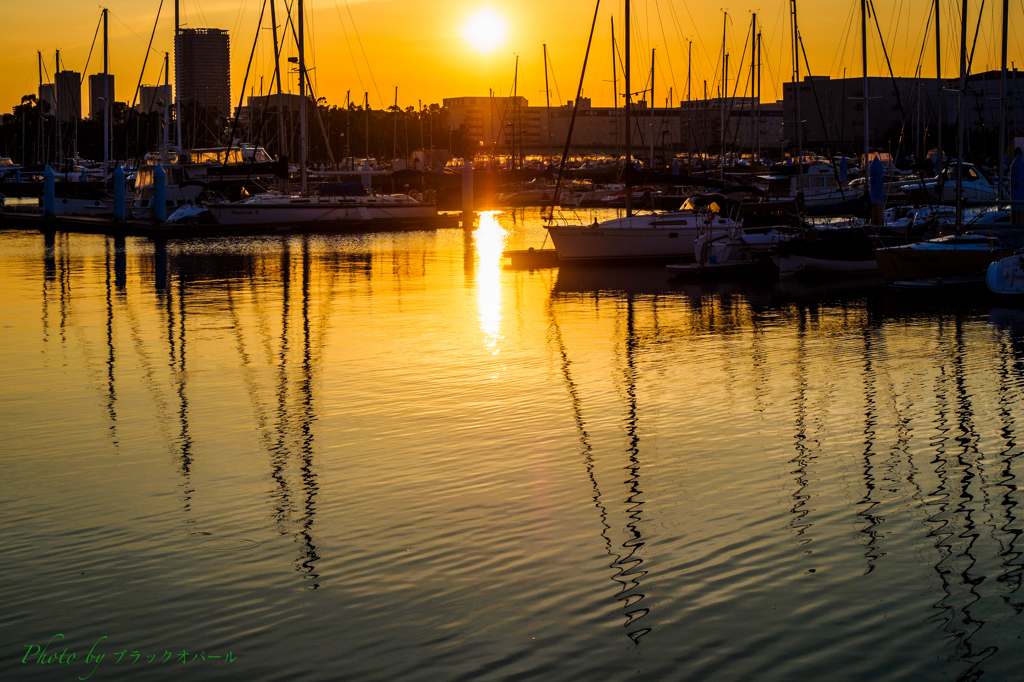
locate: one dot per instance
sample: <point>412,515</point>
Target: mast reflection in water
<point>393,455</point>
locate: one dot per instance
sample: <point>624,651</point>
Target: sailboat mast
<point>652,110</point>
<point>302,102</point>
<point>759,95</point>
<point>615,88</point>
<point>864,64</point>
<point>41,152</point>
<point>277,74</point>
<point>515,110</point>
<point>547,101</point>
<point>939,103</point>
<point>106,98</point>
<point>1002,102</point>
<point>177,75</point>
<point>798,121</point>
<point>960,118</point>
<point>753,68</point>
<point>167,104</point>
<point>721,101</point>
<point>56,106</point>
<point>627,171</point>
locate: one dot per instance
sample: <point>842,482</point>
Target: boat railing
<point>565,218</point>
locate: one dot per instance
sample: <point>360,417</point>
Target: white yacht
<point>663,235</point>
<point>818,182</point>
<point>191,172</point>
<point>276,209</point>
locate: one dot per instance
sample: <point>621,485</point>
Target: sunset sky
<point>450,48</point>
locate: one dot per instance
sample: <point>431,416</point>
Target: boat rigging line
<point>123,146</point>
<point>572,121</point>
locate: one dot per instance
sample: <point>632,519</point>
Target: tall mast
<point>277,75</point>
<point>799,119</point>
<point>759,95</point>
<point>394,140</point>
<point>515,110</point>
<point>939,103</point>
<point>56,108</point>
<point>302,102</point>
<point>547,98</point>
<point>177,75</point>
<point>721,100</point>
<point>864,64</point>
<point>960,118</point>
<point>41,153</point>
<point>689,113</point>
<point>1002,102</point>
<point>106,99</point>
<point>652,110</point>
<point>167,104</point>
<point>615,89</point>
<point>366,95</point>
<point>627,170</point>
<point>753,68</point>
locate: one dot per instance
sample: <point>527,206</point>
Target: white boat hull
<point>1006,276</point>
<point>290,214</point>
<point>792,265</point>
<point>597,243</point>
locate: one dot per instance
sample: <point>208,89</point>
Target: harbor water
<point>392,457</point>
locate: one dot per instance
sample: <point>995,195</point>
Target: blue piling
<point>119,195</point>
<point>49,193</point>
<point>876,185</point>
<point>159,195</point>
<point>1017,190</point>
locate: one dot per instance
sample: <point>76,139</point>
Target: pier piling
<point>159,195</point>
<point>49,193</point>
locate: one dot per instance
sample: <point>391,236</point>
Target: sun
<point>485,30</point>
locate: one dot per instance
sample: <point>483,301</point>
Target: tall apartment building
<point>96,95</point>
<point>203,68</point>
<point>153,98</point>
<point>64,95</point>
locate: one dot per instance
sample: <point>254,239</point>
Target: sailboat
<point>304,207</point>
<point>964,255</point>
<point>666,235</point>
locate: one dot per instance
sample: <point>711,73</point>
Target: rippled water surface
<point>391,457</point>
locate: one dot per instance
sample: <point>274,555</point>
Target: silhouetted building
<point>67,100</point>
<point>153,98</point>
<point>96,94</point>
<point>493,123</point>
<point>203,67</point>
<point>832,110</point>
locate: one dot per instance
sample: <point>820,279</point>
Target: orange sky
<point>422,46</point>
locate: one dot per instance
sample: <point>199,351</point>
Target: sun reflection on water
<point>490,241</point>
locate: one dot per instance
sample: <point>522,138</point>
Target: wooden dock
<point>530,259</point>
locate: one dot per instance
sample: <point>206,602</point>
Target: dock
<point>530,259</point>
<point>147,228</point>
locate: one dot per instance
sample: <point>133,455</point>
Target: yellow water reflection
<point>490,242</point>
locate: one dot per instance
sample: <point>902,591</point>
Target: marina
<point>339,342</point>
